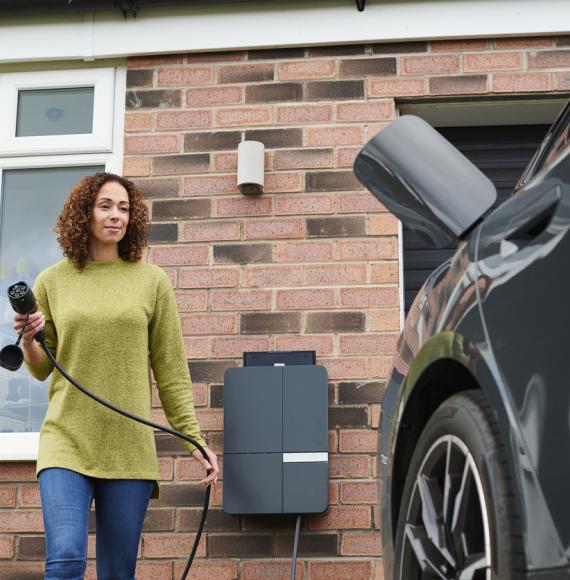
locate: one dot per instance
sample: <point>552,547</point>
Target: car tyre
<point>458,517</point>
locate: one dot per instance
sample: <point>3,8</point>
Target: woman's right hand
<point>33,324</point>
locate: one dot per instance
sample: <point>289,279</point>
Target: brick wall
<point>311,264</point>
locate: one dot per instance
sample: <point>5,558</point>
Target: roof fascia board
<point>255,25</point>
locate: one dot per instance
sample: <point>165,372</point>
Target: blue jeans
<point>120,507</point>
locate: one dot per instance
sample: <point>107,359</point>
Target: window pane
<point>31,200</point>
<point>55,112</point>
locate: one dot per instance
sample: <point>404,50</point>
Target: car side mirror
<point>424,180</point>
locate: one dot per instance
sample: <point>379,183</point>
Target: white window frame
<point>98,141</point>
<point>24,446</point>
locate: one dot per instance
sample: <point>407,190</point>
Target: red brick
<point>380,366</point>
<point>302,158</point>
<point>171,545</point>
<point>7,497</point>
<point>378,249</point>
<point>244,206</point>
<point>306,69</point>
<point>368,343</point>
<point>196,231</point>
<point>433,64</point>
<point>336,274</point>
<point>459,84</point>
<point>209,324</point>
<point>179,255</point>
<point>197,347</point>
<point>359,203</point>
<point>563,81</point>
<point>188,469</point>
<point>346,368</point>
<point>246,73</point>
<point>241,300</point>
<point>21,521</point>
<point>274,229</point>
<point>305,298</point>
<point>549,59</point>
<point>509,83</point>
<point>30,496</point>
<point>186,76</point>
<point>154,571</point>
<point>214,96</point>
<point>369,297</point>
<point>358,441</point>
<point>482,62</point>
<point>18,471</point>
<point>355,570</point>
<point>353,544</point>
<point>210,569</point>
<point>243,116</point>
<point>342,518</point>
<point>136,166</point>
<point>383,225</point>
<point>304,204</point>
<point>192,300</point>
<point>22,570</point>
<point>138,121</point>
<point>458,45</point>
<point>280,570</point>
<point>322,345</point>
<point>385,273</point>
<point>283,183</point>
<point>184,119</point>
<point>378,570</point>
<point>530,42</point>
<point>210,185</point>
<point>223,347</point>
<point>224,161</point>
<point>375,421</point>
<point>288,114</point>
<point>396,87</point>
<point>304,252</point>
<point>165,468</point>
<point>6,547</point>
<point>214,56</point>
<point>210,419</point>
<point>373,128</point>
<point>149,61</point>
<point>152,144</point>
<point>359,492</point>
<point>345,135</point>
<point>200,393</point>
<point>273,276</point>
<point>386,319</point>
<point>345,156</point>
<point>381,111</point>
<point>208,278</point>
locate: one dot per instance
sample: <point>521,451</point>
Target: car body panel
<point>499,306</point>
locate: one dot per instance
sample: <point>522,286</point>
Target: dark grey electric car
<point>475,432</point>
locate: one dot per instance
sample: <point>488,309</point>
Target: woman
<point>106,315</point>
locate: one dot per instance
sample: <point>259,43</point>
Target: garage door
<point>501,153</point>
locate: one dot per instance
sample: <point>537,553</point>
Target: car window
<point>555,143</point>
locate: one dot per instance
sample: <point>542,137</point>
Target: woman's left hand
<point>212,464</point>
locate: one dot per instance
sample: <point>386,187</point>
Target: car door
<point>524,254</point>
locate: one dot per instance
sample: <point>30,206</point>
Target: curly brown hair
<point>75,219</point>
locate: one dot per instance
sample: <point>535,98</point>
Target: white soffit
<point>267,24</point>
<point>493,112</point>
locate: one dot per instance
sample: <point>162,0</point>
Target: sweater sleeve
<point>170,367</point>
<point>43,369</point>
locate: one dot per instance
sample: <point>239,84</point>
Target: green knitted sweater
<point>104,325</point>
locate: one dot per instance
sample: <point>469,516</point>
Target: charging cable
<point>295,547</point>
<point>23,302</point>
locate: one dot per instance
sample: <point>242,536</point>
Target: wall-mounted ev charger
<point>276,436</point>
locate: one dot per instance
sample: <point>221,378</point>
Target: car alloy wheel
<point>447,530</point>
<point>459,517</point>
